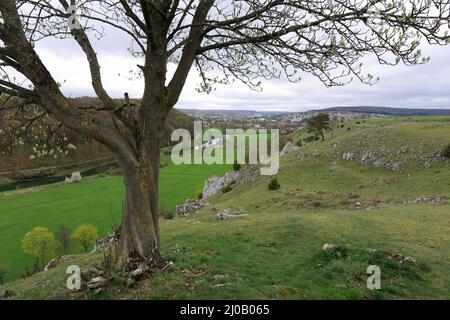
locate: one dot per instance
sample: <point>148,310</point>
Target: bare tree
<point>226,40</point>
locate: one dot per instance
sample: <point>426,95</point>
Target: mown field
<point>276,251</point>
<point>96,201</point>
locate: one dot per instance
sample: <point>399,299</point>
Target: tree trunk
<point>139,233</point>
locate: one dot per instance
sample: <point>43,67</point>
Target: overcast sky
<point>425,86</point>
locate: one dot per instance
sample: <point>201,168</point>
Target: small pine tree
<point>274,184</point>
<point>319,124</point>
<point>236,166</point>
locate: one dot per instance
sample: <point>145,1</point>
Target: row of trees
<point>41,242</point>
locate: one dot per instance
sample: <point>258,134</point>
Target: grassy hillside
<point>276,251</point>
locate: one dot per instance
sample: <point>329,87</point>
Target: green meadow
<point>96,201</point>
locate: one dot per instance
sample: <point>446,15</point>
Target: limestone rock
<point>329,247</point>
<point>97,282</point>
<point>76,177</point>
<point>214,185</point>
<point>190,206</point>
<point>288,148</point>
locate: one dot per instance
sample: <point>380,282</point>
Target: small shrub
<point>165,212</point>
<point>236,166</point>
<point>446,152</point>
<point>299,143</point>
<point>108,258</point>
<point>227,189</point>
<point>200,194</point>
<point>274,184</point>
<point>3,272</point>
<point>85,235</point>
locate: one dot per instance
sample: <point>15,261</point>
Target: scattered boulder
<point>338,251</point>
<point>76,177</point>
<point>329,247</point>
<point>365,157</point>
<point>56,262</point>
<point>409,260</point>
<point>360,206</point>
<point>190,207</point>
<point>98,282</point>
<point>402,259</point>
<point>288,148</point>
<point>139,272</point>
<point>349,156</point>
<point>301,157</point>
<point>230,213</point>
<point>6,294</point>
<point>424,200</point>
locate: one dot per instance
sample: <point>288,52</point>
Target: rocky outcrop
<point>424,200</point>
<point>349,156</point>
<point>190,207</point>
<point>76,177</point>
<point>288,148</point>
<point>57,261</point>
<point>111,239</point>
<point>214,185</point>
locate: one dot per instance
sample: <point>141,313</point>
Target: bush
<point>85,235</point>
<point>165,212</point>
<point>274,184</point>
<point>40,243</point>
<point>3,271</point>
<point>299,143</point>
<point>446,152</point>
<point>236,166</point>
<point>200,194</point>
